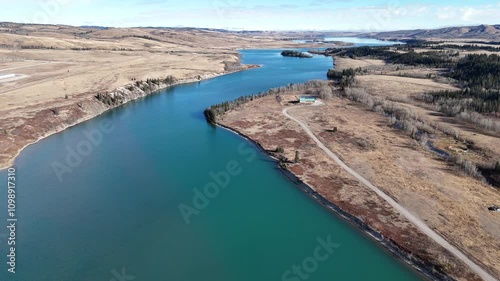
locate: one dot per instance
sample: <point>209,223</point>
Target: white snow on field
<point>7,76</point>
<point>11,77</point>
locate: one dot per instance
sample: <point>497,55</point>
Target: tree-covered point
<point>212,112</point>
<point>295,54</point>
<point>217,110</point>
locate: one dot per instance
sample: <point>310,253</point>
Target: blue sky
<point>377,15</point>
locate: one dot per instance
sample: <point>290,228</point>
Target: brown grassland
<point>60,69</point>
<point>449,201</point>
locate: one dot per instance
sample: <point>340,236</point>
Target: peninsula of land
<point>56,76</point>
<point>391,116</point>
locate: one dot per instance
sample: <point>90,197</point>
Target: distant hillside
<point>485,32</point>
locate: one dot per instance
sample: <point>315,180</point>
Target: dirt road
<point>413,219</point>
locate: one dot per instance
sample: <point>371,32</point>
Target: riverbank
<point>61,69</point>
<point>379,152</point>
<point>424,267</point>
<point>54,119</point>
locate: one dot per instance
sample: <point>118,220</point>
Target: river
<point>102,201</point>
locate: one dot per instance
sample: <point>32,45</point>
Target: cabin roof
<point>308,97</point>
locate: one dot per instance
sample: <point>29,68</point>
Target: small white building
<point>307,99</point>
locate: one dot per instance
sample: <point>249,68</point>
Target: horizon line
<point>236,29</point>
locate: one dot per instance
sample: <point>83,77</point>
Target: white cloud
<point>320,14</point>
<point>446,13</point>
<point>485,13</point>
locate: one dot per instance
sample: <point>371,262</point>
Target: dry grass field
<point>75,61</point>
<point>345,63</point>
<point>59,70</point>
<point>401,86</point>
<point>453,204</point>
<point>62,66</point>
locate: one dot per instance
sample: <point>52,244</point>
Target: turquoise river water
<point>112,211</point>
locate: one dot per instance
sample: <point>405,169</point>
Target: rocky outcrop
<point>134,91</point>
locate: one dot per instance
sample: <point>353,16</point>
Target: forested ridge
<point>441,59</point>
<point>477,74</point>
<point>479,71</point>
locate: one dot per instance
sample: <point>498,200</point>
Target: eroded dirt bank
<point>45,119</point>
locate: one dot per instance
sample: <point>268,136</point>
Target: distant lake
<point>356,41</point>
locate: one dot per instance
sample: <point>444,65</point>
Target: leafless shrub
<point>400,99</point>
<point>379,109</point>
<point>365,144</point>
<point>424,127</point>
<point>393,120</point>
<point>317,83</point>
<point>446,263</point>
<point>480,120</point>
<point>326,92</point>
<point>409,128</point>
<point>360,95</point>
<point>424,140</point>
<point>458,109</point>
<point>415,126</point>
<point>466,166</point>
<point>448,131</point>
